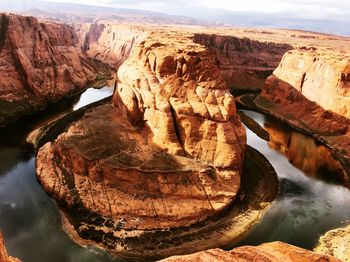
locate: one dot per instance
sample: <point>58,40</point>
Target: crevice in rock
<point>177,130</point>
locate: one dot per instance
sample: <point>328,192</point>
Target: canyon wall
<point>39,63</point>
<point>110,43</point>
<point>244,63</point>
<point>322,77</point>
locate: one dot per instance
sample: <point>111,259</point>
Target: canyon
<point>163,167</point>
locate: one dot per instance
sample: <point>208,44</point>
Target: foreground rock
<point>158,172</point>
<point>335,243</point>
<point>270,252</point>
<point>4,257</point>
<point>40,63</point>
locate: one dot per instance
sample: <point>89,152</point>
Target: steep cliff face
<point>270,252</point>
<point>40,63</point>
<point>110,43</point>
<point>322,77</point>
<point>4,257</point>
<point>243,62</point>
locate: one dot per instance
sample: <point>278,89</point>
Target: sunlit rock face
<point>270,252</point>
<point>309,90</point>
<point>4,257</point>
<point>40,63</point>
<point>322,77</point>
<point>336,243</point>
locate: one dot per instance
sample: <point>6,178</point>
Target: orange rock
<point>40,63</point>
<point>4,257</point>
<point>167,154</point>
<point>321,76</point>
<point>270,252</point>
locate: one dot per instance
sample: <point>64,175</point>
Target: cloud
<point>313,9</point>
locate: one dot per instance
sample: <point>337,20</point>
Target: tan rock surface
<point>4,257</point>
<point>40,63</point>
<point>321,76</point>
<point>108,42</point>
<point>336,243</point>
<point>270,252</point>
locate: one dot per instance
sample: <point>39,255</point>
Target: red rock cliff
<point>40,63</point>
<point>245,63</point>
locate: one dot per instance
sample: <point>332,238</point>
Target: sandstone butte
<point>4,257</point>
<point>41,62</point>
<point>269,252</point>
<point>167,154</point>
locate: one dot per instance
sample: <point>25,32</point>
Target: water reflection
<point>29,218</point>
<point>305,153</point>
<point>306,206</point>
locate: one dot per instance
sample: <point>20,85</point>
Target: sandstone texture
<point>4,257</point>
<point>320,76</point>
<point>40,63</point>
<point>152,174</point>
<point>108,42</point>
<point>270,252</point>
<point>336,243</point>
<point>244,63</point>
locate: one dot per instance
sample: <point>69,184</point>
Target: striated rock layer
<point>40,63</point>
<point>4,257</point>
<point>244,63</point>
<point>336,243</point>
<point>270,252</point>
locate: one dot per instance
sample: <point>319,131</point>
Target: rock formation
<point>336,243</point>
<point>150,175</point>
<point>244,63</point>
<point>40,63</point>
<point>4,257</point>
<point>320,76</point>
<point>270,252</point>
<point>110,43</point>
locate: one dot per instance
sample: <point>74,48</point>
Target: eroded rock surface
<point>270,252</point>
<point>336,243</point>
<point>322,77</point>
<point>151,174</point>
<point>40,63</point>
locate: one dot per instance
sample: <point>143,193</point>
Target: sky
<point>327,16</point>
<point>306,9</point>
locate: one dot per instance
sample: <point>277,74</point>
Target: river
<point>30,221</point>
